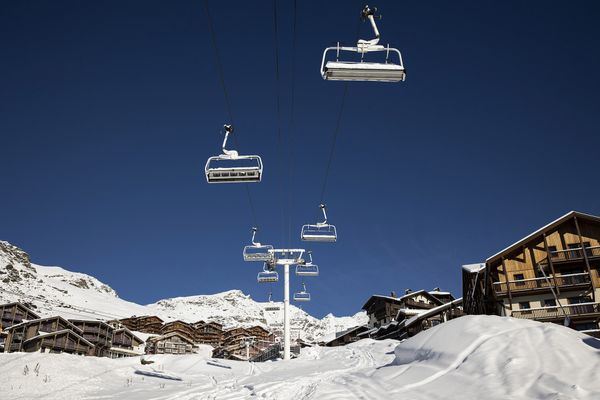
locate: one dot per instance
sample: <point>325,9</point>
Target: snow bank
<point>474,357</point>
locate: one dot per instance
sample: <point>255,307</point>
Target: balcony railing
<point>580,279</point>
<point>573,254</point>
<point>556,312</point>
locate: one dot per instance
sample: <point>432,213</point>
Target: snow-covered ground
<point>57,291</point>
<point>474,357</point>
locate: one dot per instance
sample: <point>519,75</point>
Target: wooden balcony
<point>557,313</point>
<point>575,254</point>
<point>564,282</point>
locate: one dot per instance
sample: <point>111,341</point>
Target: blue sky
<point>109,110</point>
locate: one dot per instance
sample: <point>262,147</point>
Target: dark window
<point>519,279</point>
<point>549,303</point>
<point>574,250</point>
<point>586,326</point>
<point>524,305</point>
<point>553,251</point>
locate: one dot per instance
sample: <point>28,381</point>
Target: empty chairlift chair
<point>319,232</point>
<point>388,71</point>
<point>257,251</point>
<point>272,306</point>
<point>302,295</point>
<point>267,275</point>
<point>307,268</point>
<point>230,167</point>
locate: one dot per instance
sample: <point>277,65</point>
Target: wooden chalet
<point>210,333</point>
<point>53,334</point>
<point>15,313</point>
<point>179,326</point>
<point>563,256</point>
<point>145,323</point>
<point>99,333</point>
<point>170,343</point>
<point>384,309</point>
<point>125,344</point>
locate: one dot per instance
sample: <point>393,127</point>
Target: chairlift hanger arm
<point>368,13</point>
<point>228,129</point>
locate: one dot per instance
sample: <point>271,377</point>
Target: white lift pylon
<point>388,71</point>
<point>286,257</point>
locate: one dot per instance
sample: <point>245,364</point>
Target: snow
<point>473,357</point>
<point>472,268</point>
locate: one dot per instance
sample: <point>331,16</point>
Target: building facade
<point>551,275</point>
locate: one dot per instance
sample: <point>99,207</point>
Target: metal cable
<point>219,65</point>
<point>278,112</point>
<point>291,134</point>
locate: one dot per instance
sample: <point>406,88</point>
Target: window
<point>549,303</point>
<point>579,299</point>
<point>553,251</point>
<point>574,250</point>
<point>524,305</point>
<point>519,279</point>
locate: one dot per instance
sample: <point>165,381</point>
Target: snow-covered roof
<point>431,312</point>
<point>61,332</point>
<point>472,268</point>
<point>543,229</point>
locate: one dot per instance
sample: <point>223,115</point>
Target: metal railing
<point>573,254</point>
<point>518,285</point>
<point>556,312</point>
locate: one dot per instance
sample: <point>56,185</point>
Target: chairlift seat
<point>258,253</point>
<point>272,308</point>
<point>363,71</point>
<point>238,169</point>
<point>319,233</point>
<point>302,296</point>
<point>307,270</point>
<point>267,276</point>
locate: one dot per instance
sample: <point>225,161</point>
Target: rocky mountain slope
<point>54,290</point>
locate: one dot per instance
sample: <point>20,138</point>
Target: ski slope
<point>474,357</point>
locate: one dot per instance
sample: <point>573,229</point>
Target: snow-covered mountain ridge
<point>57,291</point>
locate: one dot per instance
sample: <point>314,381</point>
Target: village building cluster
<point>551,275</point>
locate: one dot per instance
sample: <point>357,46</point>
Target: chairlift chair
<point>257,251</point>
<point>302,295</point>
<point>267,275</point>
<point>230,167</point>
<point>364,71</point>
<point>272,306</point>
<point>319,232</point>
<point>307,268</point>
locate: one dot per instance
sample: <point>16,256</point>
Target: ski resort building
<point>210,333</point>
<point>53,334</point>
<point>13,314</point>
<point>125,344</point>
<point>99,333</point>
<point>551,275</point>
<point>392,317</point>
<point>145,323</point>
<point>170,343</point>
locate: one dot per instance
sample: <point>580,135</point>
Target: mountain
<point>56,291</point>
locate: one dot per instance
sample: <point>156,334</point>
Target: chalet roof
<point>170,334</point>
<point>542,230</point>
<point>258,327</point>
<point>35,321</point>
<point>129,332</point>
<point>136,318</point>
<point>407,323</point>
<point>178,321</point>
<point>473,268</point>
<point>61,332</point>
<point>89,321</point>
<point>399,299</point>
<point>22,306</point>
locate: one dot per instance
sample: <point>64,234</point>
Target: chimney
<point>393,293</point>
<point>407,291</point>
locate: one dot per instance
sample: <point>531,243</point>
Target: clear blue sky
<point>109,110</point>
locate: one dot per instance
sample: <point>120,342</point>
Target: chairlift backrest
<point>258,253</point>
